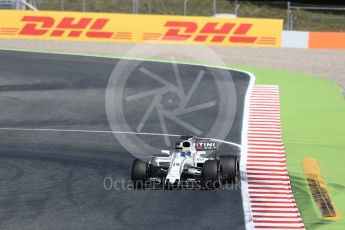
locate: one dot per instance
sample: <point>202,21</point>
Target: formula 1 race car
<point>195,162</point>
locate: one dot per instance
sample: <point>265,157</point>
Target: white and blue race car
<point>195,162</point>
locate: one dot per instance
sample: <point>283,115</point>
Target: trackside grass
<point>313,125</point>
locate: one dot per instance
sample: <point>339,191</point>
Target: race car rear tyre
<point>139,173</point>
<point>229,168</point>
<point>211,174</point>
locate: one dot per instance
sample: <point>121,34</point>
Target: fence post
<point>134,6</point>
<point>62,5</point>
<point>84,5</point>
<point>150,6</point>
<point>237,7</point>
<point>18,5</point>
<point>185,7</point>
<point>288,16</point>
<point>214,7</point>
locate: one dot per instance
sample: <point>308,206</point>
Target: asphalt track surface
<point>54,180</point>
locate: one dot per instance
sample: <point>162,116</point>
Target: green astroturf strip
<point>313,125</point>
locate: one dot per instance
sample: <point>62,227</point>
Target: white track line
<point>253,172</point>
<point>274,209</point>
<point>265,140</point>
<point>86,131</point>
<point>244,136</point>
<point>276,215</point>
<point>269,176</point>
<point>270,199</point>
<point>266,151</point>
<point>281,225</point>
<point>266,146</point>
<point>269,186</point>
<point>105,131</point>
<point>264,168</point>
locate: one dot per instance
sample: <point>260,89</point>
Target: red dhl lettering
<point>182,31</point>
<point>38,26</point>
<point>214,32</point>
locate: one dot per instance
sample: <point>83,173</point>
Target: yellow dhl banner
<point>101,27</point>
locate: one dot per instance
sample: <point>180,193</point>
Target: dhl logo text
<point>214,32</point>
<point>42,25</point>
<point>217,31</point>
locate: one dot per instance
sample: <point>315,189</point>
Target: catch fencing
<point>324,18</point>
<point>301,17</point>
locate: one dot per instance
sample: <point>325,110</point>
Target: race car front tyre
<point>139,173</point>
<point>211,174</point>
<point>229,168</point>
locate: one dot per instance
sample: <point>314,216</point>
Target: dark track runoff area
<point>54,180</point>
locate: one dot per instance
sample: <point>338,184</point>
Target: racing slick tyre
<point>229,168</point>
<point>139,173</point>
<point>211,174</point>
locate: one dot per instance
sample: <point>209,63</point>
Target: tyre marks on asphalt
<point>271,199</point>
